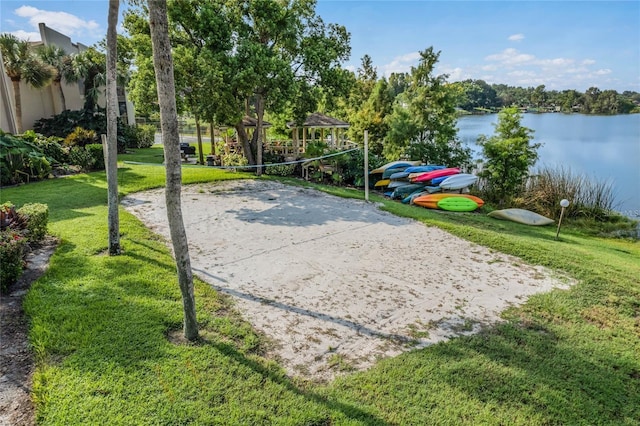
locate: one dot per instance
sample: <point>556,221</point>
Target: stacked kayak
<point>382,176</point>
<point>431,185</point>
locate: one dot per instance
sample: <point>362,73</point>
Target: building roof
<point>319,121</point>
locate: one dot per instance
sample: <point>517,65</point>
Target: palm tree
<point>89,66</point>
<point>61,63</point>
<point>21,64</point>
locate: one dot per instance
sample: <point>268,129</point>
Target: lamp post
<point>564,204</point>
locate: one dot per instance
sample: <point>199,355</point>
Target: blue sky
<point>563,45</point>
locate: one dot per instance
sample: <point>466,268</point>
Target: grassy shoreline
<point>99,328</point>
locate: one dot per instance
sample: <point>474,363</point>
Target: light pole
<point>564,204</point>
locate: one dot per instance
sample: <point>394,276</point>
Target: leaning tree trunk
<point>244,141</point>
<point>112,130</point>
<point>18,100</point>
<point>163,65</point>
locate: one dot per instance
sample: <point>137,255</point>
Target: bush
<point>146,135</point>
<point>21,160</point>
<point>234,159</point>
<point>63,124</point>
<point>12,247</point>
<point>80,137</point>
<point>37,217</point>
<point>82,158</point>
<point>96,152</point>
<point>280,169</point>
<point>52,148</point>
<point>141,136</point>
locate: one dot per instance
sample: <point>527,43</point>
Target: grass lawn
<point>99,328</point>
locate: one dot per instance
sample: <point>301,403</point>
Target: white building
<point>45,102</point>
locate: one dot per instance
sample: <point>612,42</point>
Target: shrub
<point>52,148</point>
<point>146,135</point>
<point>234,159</point>
<point>21,160</point>
<point>141,136</point>
<point>280,169</point>
<point>12,246</point>
<point>64,123</point>
<point>96,152</point>
<point>80,137</point>
<point>81,157</point>
<point>37,217</point>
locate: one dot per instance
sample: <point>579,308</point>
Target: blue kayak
<point>439,179</point>
<point>422,169</point>
<point>399,175</point>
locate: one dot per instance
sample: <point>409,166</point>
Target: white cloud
<point>603,71</point>
<point>489,67</point>
<point>557,62</point>
<point>516,37</point>
<point>522,73</point>
<point>588,62</point>
<point>401,63</point>
<point>510,57</point>
<point>455,74</point>
<point>26,35</point>
<point>64,22</point>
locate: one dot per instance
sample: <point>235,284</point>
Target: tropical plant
<point>80,137</point>
<point>20,63</point>
<point>89,66</point>
<point>21,161</point>
<point>61,64</point>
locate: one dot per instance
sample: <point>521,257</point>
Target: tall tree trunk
<point>213,139</point>
<point>244,141</point>
<point>17,97</point>
<point>260,114</point>
<point>63,100</point>
<point>112,130</point>
<point>163,65</point>
<point>199,137</point>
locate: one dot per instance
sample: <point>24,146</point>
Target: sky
<point>560,44</point>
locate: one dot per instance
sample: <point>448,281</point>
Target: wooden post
<point>366,165</point>
<point>304,139</point>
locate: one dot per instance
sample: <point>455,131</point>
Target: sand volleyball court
<point>335,283</point>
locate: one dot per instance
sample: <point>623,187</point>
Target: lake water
<point>604,148</point>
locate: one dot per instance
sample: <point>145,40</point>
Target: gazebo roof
<point>253,122</point>
<point>319,121</point>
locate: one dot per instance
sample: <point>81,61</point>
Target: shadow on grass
<point>567,383</point>
<point>520,374</point>
<point>348,410</point>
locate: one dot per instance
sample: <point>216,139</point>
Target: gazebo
<point>318,121</point>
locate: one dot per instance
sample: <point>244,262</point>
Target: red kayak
<point>436,174</point>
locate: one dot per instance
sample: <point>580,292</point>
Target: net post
<point>366,165</point>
